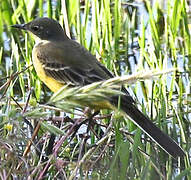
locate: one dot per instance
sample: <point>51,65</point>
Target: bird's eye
<point>35,28</point>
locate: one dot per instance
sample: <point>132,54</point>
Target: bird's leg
<point>88,119</point>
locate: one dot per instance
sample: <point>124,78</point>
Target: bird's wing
<point>72,75</point>
<point>69,62</point>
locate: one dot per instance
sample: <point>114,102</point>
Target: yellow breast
<point>52,84</point>
<point>55,85</point>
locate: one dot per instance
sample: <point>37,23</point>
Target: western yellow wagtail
<point>59,60</point>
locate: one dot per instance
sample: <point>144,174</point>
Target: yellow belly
<point>52,84</point>
<point>55,85</point>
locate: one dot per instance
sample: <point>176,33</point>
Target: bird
<point>59,60</point>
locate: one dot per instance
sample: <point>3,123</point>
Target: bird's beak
<point>19,26</point>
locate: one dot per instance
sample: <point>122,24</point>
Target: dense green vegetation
<point>151,42</point>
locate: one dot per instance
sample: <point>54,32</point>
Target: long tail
<point>164,141</point>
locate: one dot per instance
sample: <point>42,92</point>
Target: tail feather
<point>163,140</point>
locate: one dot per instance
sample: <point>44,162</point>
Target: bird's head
<point>44,28</point>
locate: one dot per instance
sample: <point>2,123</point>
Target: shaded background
<point>127,37</point>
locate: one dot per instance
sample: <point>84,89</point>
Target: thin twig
<point>13,76</point>
<point>57,146</point>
